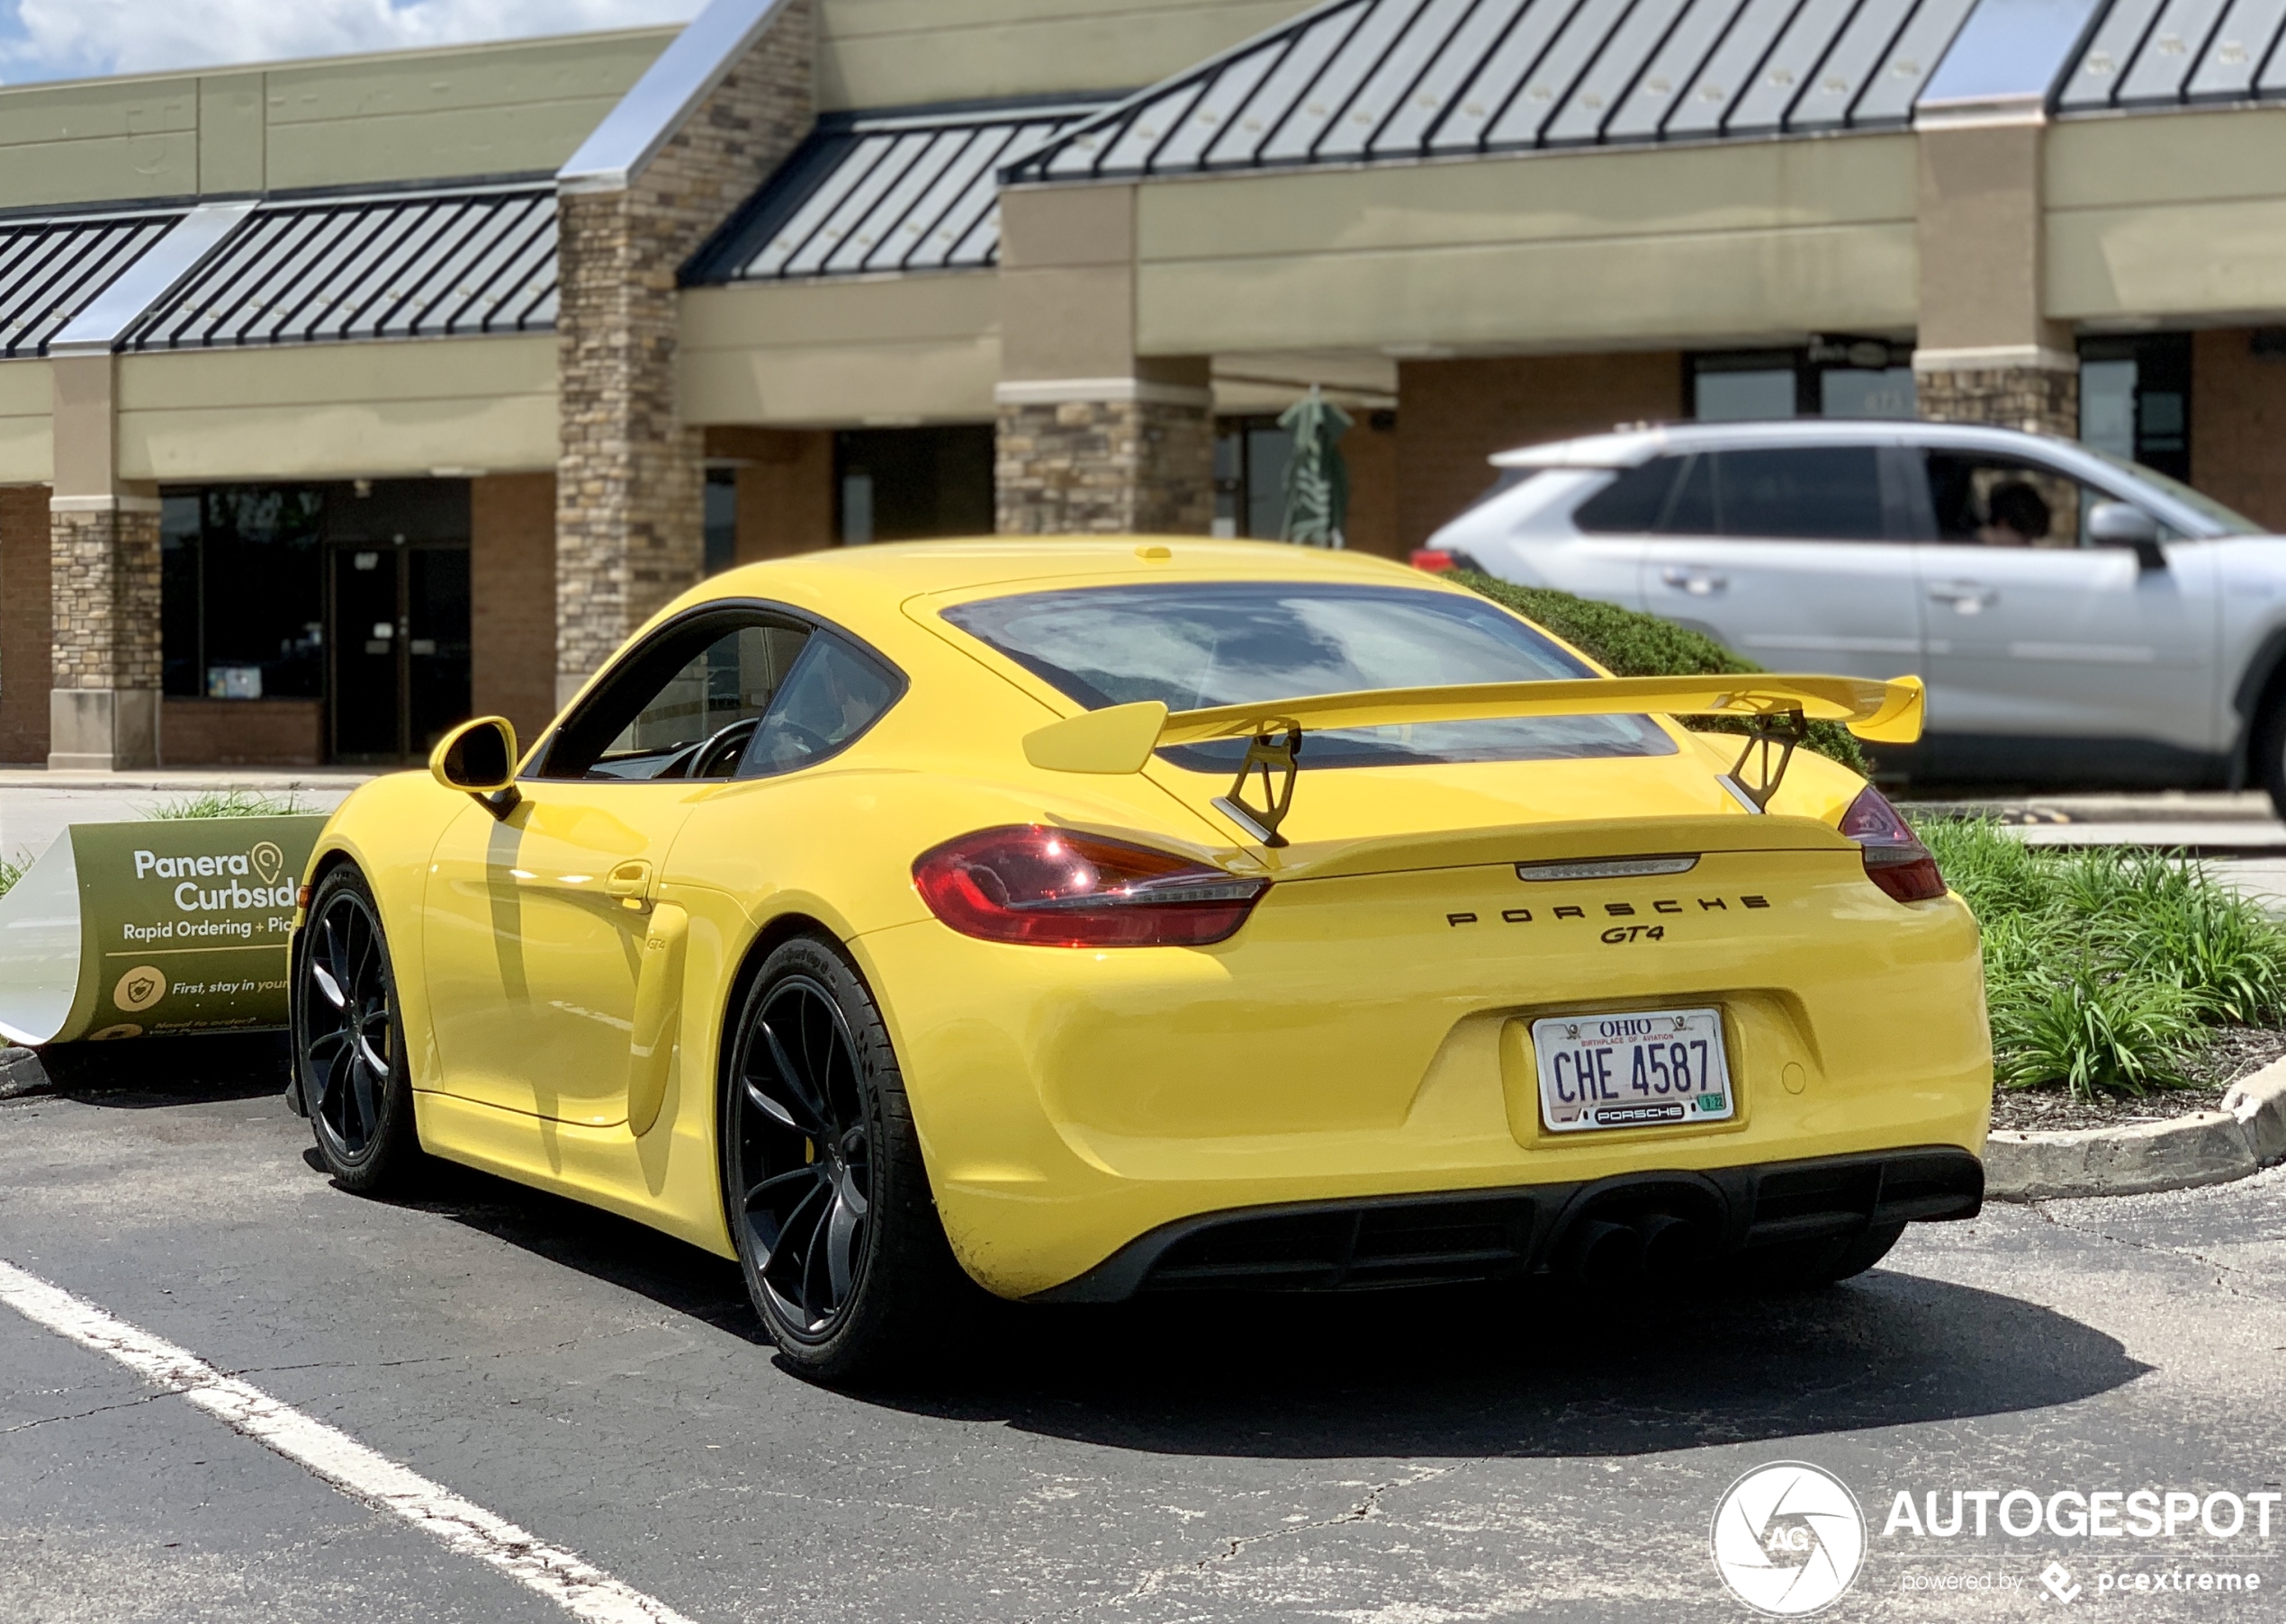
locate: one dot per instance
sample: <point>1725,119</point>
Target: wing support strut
<point>1277,748</point>
<point>1770,741</point>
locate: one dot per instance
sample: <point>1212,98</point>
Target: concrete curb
<point>2205,1147</point>
<point>20,1073</point>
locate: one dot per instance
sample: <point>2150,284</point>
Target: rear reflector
<point>1054,888</point>
<point>1438,561</point>
<point>1895,858</point>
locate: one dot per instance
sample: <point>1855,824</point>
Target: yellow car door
<point>537,919</point>
<point>535,930</point>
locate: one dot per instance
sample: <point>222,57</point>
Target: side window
<point>834,693</point>
<point>684,706</point>
<point>1632,504</point>
<point>1988,501</point>
<point>1826,493</point>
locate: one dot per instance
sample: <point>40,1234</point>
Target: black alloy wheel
<point>829,1204</point>
<point>348,1040</point>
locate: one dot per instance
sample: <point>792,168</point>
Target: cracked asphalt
<point>1396,1458</point>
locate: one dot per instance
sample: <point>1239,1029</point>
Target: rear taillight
<point>1439,560</point>
<point>1896,860</point>
<point>1053,888</point>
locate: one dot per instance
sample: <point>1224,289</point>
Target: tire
<point>838,1236</point>
<point>2268,747</point>
<point>349,1041</point>
<point>1805,1265</point>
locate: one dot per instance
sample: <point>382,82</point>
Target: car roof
<point>866,588</point>
<point>903,570</point>
<point>1630,444</point>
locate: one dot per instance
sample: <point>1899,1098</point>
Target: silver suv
<point>2079,619</point>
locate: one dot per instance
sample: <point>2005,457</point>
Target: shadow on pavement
<point>1530,1372</point>
<point>149,1071</point>
<point>599,1244</point>
<point>1472,1372</point>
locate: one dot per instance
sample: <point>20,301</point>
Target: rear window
<point>1195,645</point>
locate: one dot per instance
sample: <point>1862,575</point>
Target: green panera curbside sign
<point>126,929</point>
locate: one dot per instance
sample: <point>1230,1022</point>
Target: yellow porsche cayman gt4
<point>1094,917</point>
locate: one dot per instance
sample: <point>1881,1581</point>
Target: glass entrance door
<point>399,635</point>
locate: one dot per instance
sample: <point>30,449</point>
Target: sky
<point>76,39</point>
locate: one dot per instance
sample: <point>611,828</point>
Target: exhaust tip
<point>1600,1253</point>
<point>1672,1246</point>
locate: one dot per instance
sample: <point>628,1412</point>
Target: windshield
<point>1195,645</point>
<point>2204,505</point>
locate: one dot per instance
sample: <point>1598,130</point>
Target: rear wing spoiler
<point>1778,710</point>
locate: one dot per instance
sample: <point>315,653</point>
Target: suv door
<point>2034,633</point>
<point>1796,557</point>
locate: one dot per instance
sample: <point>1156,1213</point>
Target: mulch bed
<point>2235,1053</point>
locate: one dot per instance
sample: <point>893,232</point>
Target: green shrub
<point>11,872</point>
<point>228,803</point>
<point>2091,1031</point>
<point>2107,970</point>
<point>1629,644</point>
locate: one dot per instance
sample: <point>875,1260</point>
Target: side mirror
<point>479,758</point>
<point>2124,524</point>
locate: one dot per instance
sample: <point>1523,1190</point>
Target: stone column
<point>1987,352</point>
<point>104,574</point>
<point>630,485</point>
<point>1093,437</point>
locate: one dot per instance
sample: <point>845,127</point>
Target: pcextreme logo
<point>1788,1539</point>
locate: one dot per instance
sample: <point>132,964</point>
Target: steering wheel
<point>718,758</point>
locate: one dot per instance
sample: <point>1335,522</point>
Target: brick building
<point>339,400</point>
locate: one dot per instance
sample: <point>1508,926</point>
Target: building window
<point>1831,378</point>
<point>722,519</point>
<point>913,484</point>
<point>1251,456</point>
<point>2134,399</point>
<point>242,600</point>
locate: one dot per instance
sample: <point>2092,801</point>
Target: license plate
<point>1641,1069</point>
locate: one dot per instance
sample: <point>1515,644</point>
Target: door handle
<point>1697,582</point>
<point>1969,597</point>
<point>630,882</point>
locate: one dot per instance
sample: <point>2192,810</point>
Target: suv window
<point>1978,499</point>
<point>1829,493</point>
<point>1632,503</point>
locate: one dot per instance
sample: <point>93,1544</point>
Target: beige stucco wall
<point>27,400</point>
<point>406,115</point>
<point>339,410</point>
<point>1631,249</point>
<point>896,53</point>
<point>877,350</point>
<point>2166,215</point>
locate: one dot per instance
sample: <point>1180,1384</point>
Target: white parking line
<point>579,1587</point>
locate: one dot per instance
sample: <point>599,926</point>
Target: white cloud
<point>66,39</point>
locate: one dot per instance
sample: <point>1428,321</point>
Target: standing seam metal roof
<point>2172,53</point>
<point>1365,80</point>
<point>441,263</point>
<point>52,268</point>
<point>871,192</point>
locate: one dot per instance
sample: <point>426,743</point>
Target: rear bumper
<point>1509,1234</point>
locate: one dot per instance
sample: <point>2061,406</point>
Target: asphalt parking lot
<point>1391,1457</point>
